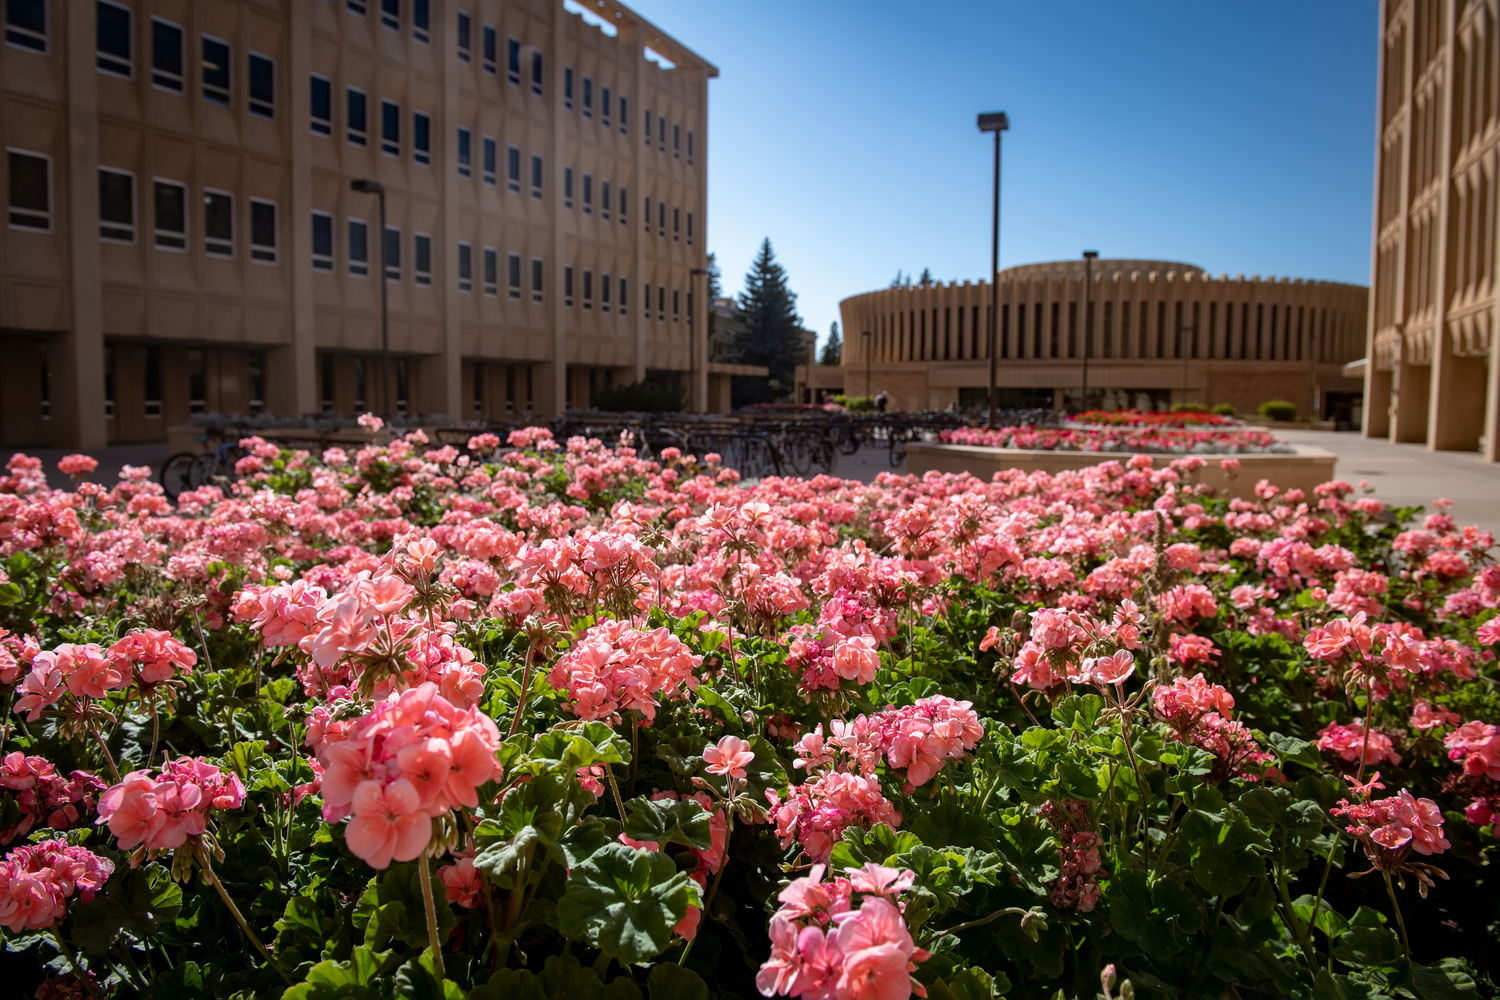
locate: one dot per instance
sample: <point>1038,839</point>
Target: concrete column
<point>444,378</point>
<point>1452,421</point>
<point>699,285</point>
<point>550,379</point>
<point>292,381</point>
<point>1398,311</point>
<point>631,35</point>
<point>79,366</point>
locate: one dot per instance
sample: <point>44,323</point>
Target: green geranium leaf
<point>357,979</point>
<point>664,821</point>
<point>138,902</point>
<point>669,981</point>
<point>624,902</point>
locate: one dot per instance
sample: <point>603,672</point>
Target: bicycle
<point>188,471</point>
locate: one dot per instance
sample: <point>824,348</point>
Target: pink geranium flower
<point>388,824</point>
<point>731,756</point>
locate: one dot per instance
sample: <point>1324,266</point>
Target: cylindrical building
<point>1156,332</point>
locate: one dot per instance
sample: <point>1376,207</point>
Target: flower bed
<point>1155,418</point>
<point>1130,440</point>
<point>562,723</point>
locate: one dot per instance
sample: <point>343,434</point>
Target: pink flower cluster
<point>1171,440</point>
<point>1354,745</point>
<point>42,795</point>
<point>920,737</point>
<point>1389,827</point>
<point>616,667</point>
<point>1476,745</point>
<point>414,757</point>
<point>816,814</point>
<point>1077,886</point>
<point>825,947</point>
<point>1198,712</point>
<point>146,657</point>
<point>162,813</point>
<point>38,880</point>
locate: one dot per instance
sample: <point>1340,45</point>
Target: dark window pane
<point>359,242</point>
<point>357,113</point>
<point>321,92</point>
<point>26,24</point>
<point>28,186</point>
<point>171,215</point>
<point>392,252</point>
<point>463,35</point>
<point>424,253</point>
<point>421,18</point>
<point>166,55</point>
<point>322,235</point>
<point>218,222</point>
<point>491,47</point>
<point>215,71</point>
<point>390,13</point>
<point>113,27</point>
<point>116,205</point>
<point>421,133</point>
<point>262,231</point>
<point>262,86</point>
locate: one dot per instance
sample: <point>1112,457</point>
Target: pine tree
<point>926,278</point>
<point>715,293</point>
<point>833,347</point>
<point>770,332</point>
<point>901,280</point>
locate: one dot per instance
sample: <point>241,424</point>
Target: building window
<point>30,198</point>
<point>648,213</point>
<point>568,285</point>
<point>262,231</point>
<point>198,382</point>
<point>648,126</point>
<point>322,241</point>
<point>113,25</point>
<point>624,115</point>
<point>421,137</point>
<point>26,24</point>
<point>690,229</point>
<point>392,253</point>
<point>661,303</point>
<point>536,72</point>
<point>690,148</point>
<point>604,293</point>
<point>390,14</point>
<point>359,248</point>
<point>588,97</point>
<point>218,223</point>
<point>588,289</point>
<point>646,298</point>
<point>116,205</point>
<point>355,7</point>
<point>661,133</point>
<point>513,275</point>
<point>403,385</point>
<point>390,128</point>
<point>513,61</point>
<point>491,271</point>
<point>536,176</point>
<point>676,219</point>
<point>166,55</point>
<point>171,215</point>
<point>325,381</point>
<point>624,291</point>
<point>513,167</point>
<point>465,267</point>
<point>262,86</point>
<point>604,200</point>
<point>463,36</point>
<point>604,106</point>
<point>588,194</point>
<point>358,364</point>
<point>465,163</point>
<point>421,21</point>
<point>151,389</point>
<point>536,279</point>
<point>567,187</point>
<point>320,92</point>
<point>109,383</point>
<point>677,142</point>
<point>216,55</point>
<point>490,155</point>
<point>661,218</point>
<point>356,113</point>
<point>568,87</point>
<point>256,369</point>
<point>623,200</point>
<point>490,45</point>
<point>422,259</point>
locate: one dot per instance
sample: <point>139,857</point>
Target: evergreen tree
<point>926,278</point>
<point>901,280</point>
<point>770,331</point>
<point>833,347</point>
<point>715,292</point>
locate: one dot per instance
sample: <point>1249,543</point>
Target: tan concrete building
<point>1153,333</point>
<point>181,235</point>
<point>1433,369</point>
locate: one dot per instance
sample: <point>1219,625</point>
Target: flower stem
<point>515,723</point>
<point>1400,921</point>
<point>424,866</point>
<point>109,758</point>
<point>239,918</point>
<point>72,957</point>
<point>609,772</point>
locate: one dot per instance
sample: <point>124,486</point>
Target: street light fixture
<point>365,185</point>
<point>1089,256</point>
<point>996,122</point>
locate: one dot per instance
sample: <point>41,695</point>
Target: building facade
<point>1432,372</point>
<point>1140,333</point>
<point>182,235</point>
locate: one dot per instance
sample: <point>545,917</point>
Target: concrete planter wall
<point>1304,470</point>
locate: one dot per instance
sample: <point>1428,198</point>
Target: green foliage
<point>625,902</point>
<point>1223,409</point>
<point>637,397</point>
<point>1278,409</point>
<point>856,404</point>
<point>1189,408</point>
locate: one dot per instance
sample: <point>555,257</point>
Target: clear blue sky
<point>1236,136</point>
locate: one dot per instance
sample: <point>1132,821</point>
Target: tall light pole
<point>996,122</point>
<point>1089,256</point>
<point>693,360</point>
<point>868,343</point>
<point>364,185</point>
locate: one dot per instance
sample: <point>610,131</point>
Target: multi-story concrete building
<point>182,235</point>
<point>1433,355</point>
<point>1144,333</point>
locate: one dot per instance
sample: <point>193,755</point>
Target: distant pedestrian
<point>880,401</point>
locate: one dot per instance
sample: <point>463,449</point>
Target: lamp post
<point>364,185</point>
<point>693,344</point>
<point>868,343</point>
<point>996,122</point>
<point>1089,256</point>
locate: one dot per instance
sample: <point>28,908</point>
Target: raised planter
<point>1290,425</point>
<point>1304,469</point>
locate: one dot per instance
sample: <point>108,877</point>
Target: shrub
<point>1278,409</point>
<point>638,397</point>
<point>856,404</point>
<point>1189,408</point>
<point>1224,409</point>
